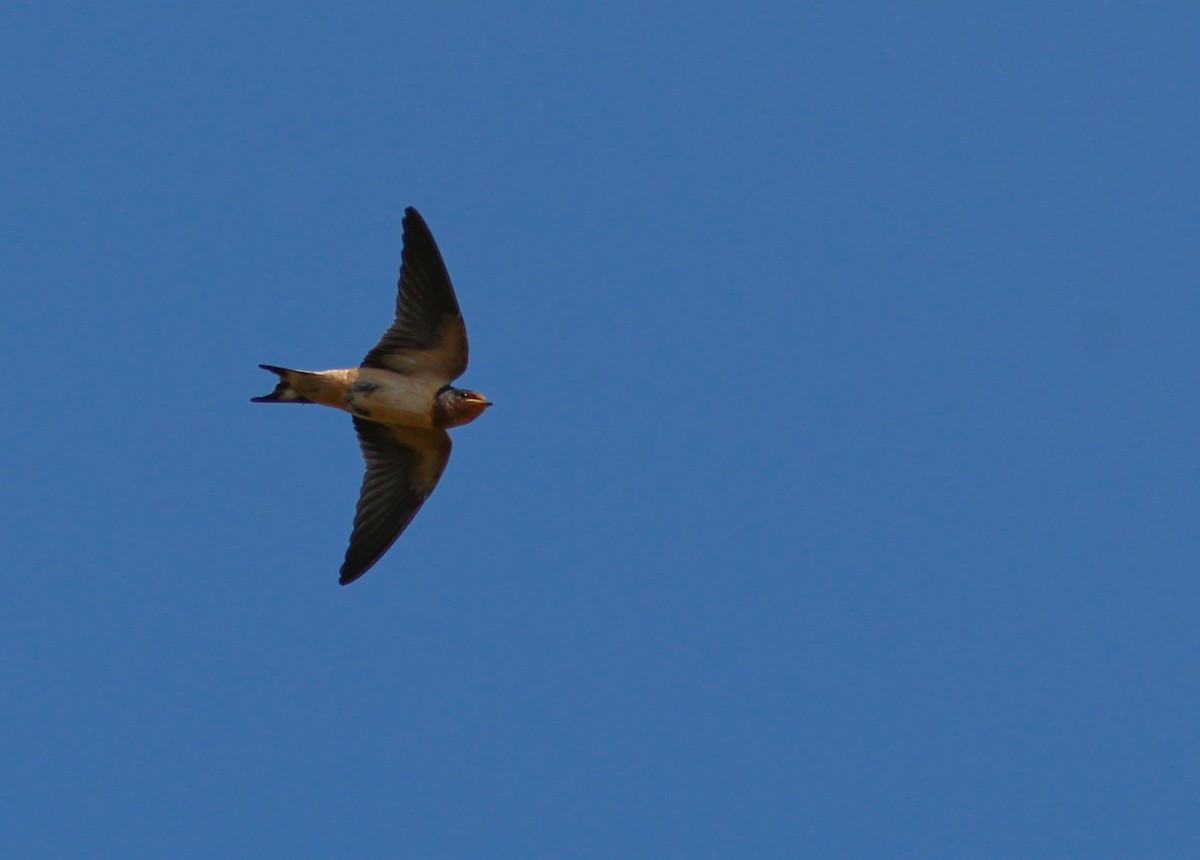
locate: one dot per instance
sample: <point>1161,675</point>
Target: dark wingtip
<point>353,569</point>
<point>412,216</point>
<point>350,571</point>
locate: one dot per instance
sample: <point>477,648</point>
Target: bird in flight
<point>400,397</point>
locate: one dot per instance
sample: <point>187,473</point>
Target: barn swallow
<point>400,398</point>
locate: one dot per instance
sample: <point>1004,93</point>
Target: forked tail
<point>284,392</point>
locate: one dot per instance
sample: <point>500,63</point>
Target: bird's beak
<point>482,401</point>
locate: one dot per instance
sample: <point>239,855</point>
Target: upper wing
<point>403,466</point>
<point>428,336</point>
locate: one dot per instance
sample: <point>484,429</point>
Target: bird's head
<point>456,406</point>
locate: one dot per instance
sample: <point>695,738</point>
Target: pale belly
<point>390,398</point>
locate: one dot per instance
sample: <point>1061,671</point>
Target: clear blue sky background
<point>840,495</point>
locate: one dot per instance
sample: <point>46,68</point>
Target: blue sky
<point>839,497</point>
